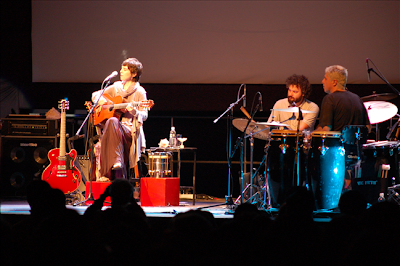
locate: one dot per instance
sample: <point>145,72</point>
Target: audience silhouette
<point>123,235</point>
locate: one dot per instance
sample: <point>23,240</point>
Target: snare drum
<point>326,168</point>
<point>160,164</point>
<point>281,175</point>
<point>379,169</point>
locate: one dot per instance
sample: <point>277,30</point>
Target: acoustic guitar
<point>61,172</point>
<point>115,107</point>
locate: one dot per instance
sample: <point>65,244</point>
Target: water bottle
<point>172,138</point>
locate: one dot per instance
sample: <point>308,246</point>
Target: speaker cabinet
<point>22,160</point>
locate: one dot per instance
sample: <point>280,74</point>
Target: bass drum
<point>326,168</point>
<point>379,169</point>
<point>281,175</point>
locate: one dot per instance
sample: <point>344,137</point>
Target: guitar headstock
<point>148,104</point>
<point>88,105</point>
<point>63,105</point>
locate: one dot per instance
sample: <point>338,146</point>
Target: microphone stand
<point>228,197</point>
<point>91,142</point>
<point>296,160</point>
<point>390,85</point>
<point>384,79</point>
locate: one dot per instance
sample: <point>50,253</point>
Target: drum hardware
<point>284,147</point>
<point>293,110</point>
<point>393,194</point>
<point>322,149</point>
<point>393,133</point>
<point>255,197</point>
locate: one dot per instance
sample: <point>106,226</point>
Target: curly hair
<point>301,82</point>
<point>134,66</point>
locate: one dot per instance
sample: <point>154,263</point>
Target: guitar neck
<point>124,105</point>
<point>62,133</point>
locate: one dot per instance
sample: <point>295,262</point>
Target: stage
<point>216,206</point>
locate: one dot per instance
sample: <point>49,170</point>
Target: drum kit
<point>324,158</point>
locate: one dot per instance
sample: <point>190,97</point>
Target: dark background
<point>191,108</point>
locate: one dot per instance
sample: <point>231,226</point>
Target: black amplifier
<point>26,125</point>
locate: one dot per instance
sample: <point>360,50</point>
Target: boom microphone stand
<point>228,197</point>
<point>91,141</point>
<point>297,160</point>
<point>380,76</point>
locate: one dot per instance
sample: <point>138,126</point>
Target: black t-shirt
<point>342,108</point>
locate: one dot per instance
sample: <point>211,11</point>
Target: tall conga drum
<point>326,168</point>
<point>281,174</point>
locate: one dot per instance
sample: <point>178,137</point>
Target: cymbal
<point>379,97</point>
<point>380,111</point>
<point>293,110</point>
<point>272,124</point>
<point>253,128</point>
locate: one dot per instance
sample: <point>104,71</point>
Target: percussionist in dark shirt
<point>340,107</point>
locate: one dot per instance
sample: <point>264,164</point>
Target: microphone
<point>368,70</point>
<point>244,99</point>
<point>112,75</point>
<point>260,100</point>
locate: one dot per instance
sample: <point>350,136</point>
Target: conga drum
<point>354,137</point>
<point>326,168</point>
<point>281,173</point>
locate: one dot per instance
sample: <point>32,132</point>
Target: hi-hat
<point>259,131</point>
<point>293,110</point>
<point>379,97</point>
<point>379,111</point>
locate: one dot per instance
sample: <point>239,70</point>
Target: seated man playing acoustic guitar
<point>123,140</point>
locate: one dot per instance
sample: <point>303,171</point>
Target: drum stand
<point>255,197</point>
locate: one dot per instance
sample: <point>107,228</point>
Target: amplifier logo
<point>367,182</point>
<point>28,144</point>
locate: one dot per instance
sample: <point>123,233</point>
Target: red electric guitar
<point>62,173</point>
<point>115,106</point>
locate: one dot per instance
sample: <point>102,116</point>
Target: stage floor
<point>216,206</point>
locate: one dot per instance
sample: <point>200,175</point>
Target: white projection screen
<point>215,42</point>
